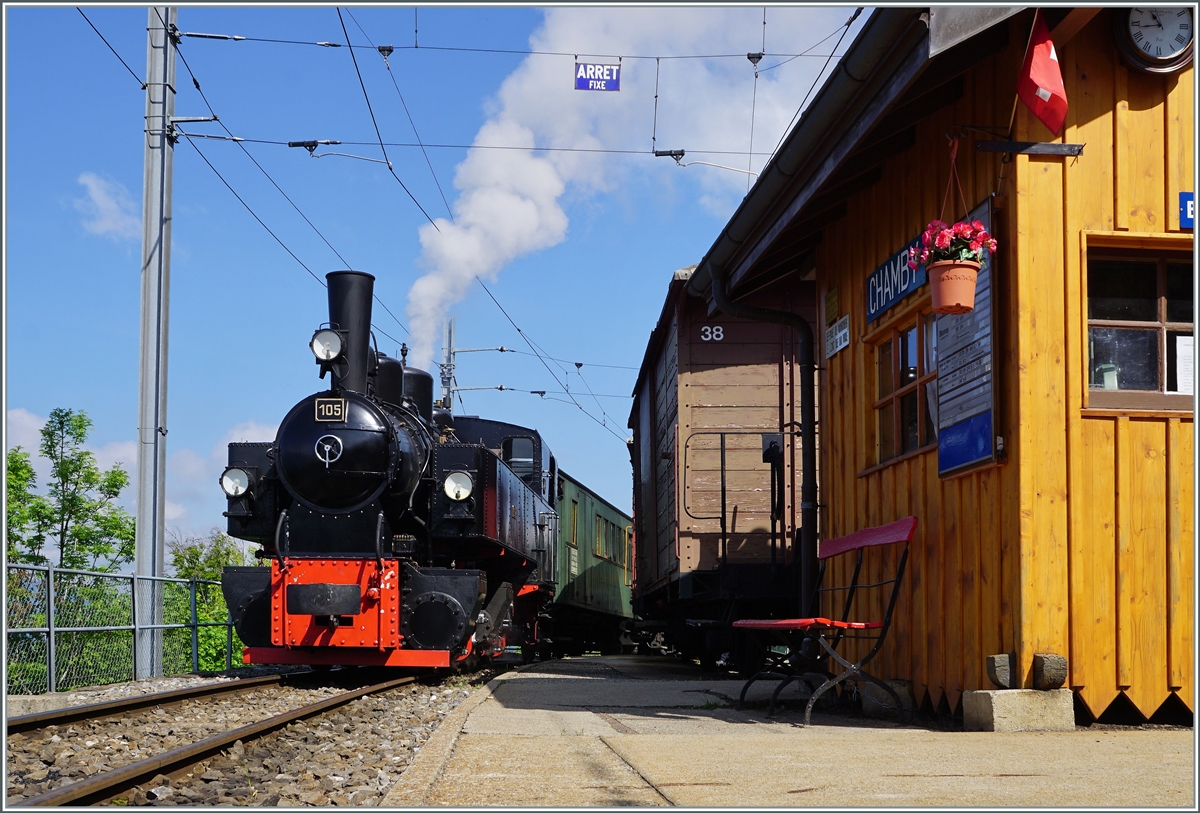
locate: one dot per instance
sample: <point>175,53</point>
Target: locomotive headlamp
<point>326,344</point>
<point>235,481</point>
<point>458,486</point>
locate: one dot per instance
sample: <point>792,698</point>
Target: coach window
<point>906,389</point>
<point>574,523</point>
<point>1140,330</point>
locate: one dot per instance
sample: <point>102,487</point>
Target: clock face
<point>1160,33</point>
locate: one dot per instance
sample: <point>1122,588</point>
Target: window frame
<point>914,319</point>
<point>1161,255</point>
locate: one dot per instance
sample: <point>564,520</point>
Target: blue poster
<point>590,76</point>
<point>966,401</point>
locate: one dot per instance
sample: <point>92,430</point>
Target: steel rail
<point>71,714</point>
<point>111,783</point>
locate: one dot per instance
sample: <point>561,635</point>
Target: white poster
<point>1184,363</point>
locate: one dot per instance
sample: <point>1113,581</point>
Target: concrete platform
<point>622,731</point>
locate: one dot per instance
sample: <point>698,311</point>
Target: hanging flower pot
<point>952,256</point>
<point>952,283</point>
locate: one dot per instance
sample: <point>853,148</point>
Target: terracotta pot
<point>952,283</point>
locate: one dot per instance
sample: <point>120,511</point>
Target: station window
<point>574,523</point>
<point>1140,330</point>
<point>906,389</point>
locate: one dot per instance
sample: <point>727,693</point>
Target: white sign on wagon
<point>837,336</point>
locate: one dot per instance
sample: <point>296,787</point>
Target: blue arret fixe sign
<point>590,76</point>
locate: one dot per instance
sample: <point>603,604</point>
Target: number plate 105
<point>331,409</point>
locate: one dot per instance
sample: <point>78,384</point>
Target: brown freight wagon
<point>716,437</point>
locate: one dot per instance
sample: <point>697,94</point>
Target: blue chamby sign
<point>590,76</point>
<point>893,281</point>
<point>1187,210</point>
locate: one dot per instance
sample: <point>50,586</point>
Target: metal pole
<point>156,276</point>
<point>195,630</point>
<point>724,531</point>
<point>448,365</point>
<point>51,678</point>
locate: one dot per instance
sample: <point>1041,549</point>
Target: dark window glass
<point>909,422</point>
<point>1181,362</point>
<point>931,411</point>
<point>908,355</point>
<point>884,361</point>
<point>1179,292</point>
<point>1123,359</point>
<point>887,432</point>
<point>930,342</point>
<point>518,454</point>
<point>1123,290</point>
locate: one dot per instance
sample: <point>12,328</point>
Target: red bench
<point>810,644</point>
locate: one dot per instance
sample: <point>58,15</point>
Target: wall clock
<point>1154,40</point>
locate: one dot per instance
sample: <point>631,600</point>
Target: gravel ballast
<point>351,755</point>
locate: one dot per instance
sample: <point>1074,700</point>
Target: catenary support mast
<point>152,388</point>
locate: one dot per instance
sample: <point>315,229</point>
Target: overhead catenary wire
<point>114,50</point>
<point>231,137</point>
<point>511,51</point>
<point>404,104</point>
<point>820,73</point>
<point>540,358</point>
<point>367,97</point>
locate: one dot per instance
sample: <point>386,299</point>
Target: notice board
<point>966,391</point>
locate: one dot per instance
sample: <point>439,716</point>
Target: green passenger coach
<point>595,561</point>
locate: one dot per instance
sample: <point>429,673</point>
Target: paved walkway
<point>623,731</point>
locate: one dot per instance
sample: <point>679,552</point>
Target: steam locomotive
<point>388,540</point>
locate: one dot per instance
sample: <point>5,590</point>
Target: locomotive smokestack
<point>350,310</point>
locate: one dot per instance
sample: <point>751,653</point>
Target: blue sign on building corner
<point>591,76</point>
<point>1187,210</point>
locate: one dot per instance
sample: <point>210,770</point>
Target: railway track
<point>116,782</point>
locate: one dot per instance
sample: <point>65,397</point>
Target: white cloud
<point>23,428</point>
<point>511,203</point>
<point>108,209</point>
<point>194,502</point>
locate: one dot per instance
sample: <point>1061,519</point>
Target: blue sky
<point>577,247</point>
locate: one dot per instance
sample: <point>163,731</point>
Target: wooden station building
<point>1045,440</point>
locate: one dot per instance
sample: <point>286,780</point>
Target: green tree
<point>91,531</point>
<point>28,514</point>
<point>203,559</point>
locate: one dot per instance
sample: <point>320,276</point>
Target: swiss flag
<point>1041,86</point>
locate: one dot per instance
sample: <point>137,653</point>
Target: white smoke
<point>510,202</point>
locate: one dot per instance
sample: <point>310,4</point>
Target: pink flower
<point>979,227</point>
<point>943,239</point>
<point>975,246</point>
<point>991,245</point>
<point>961,230</point>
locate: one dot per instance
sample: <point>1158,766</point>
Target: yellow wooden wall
<point>1081,542</point>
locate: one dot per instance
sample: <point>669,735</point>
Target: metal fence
<point>72,628</point>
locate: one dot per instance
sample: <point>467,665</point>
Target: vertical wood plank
<point>989,566</point>
<point>1125,553</point>
<point>918,561</point>
<point>1181,583</point>
<point>1181,140</point>
<point>952,598</point>
<point>1041,382</point>
<point>972,658</point>
<point>1147,596</point>
<point>1176,637</point>
<point>1095,618</point>
<point>1122,163</point>
<point>936,607</point>
<point>1146,152</point>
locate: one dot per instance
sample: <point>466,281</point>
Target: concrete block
<point>1018,710</point>
<point>1002,670</point>
<point>877,703</point>
<point>1049,671</point>
<point>17,705</point>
